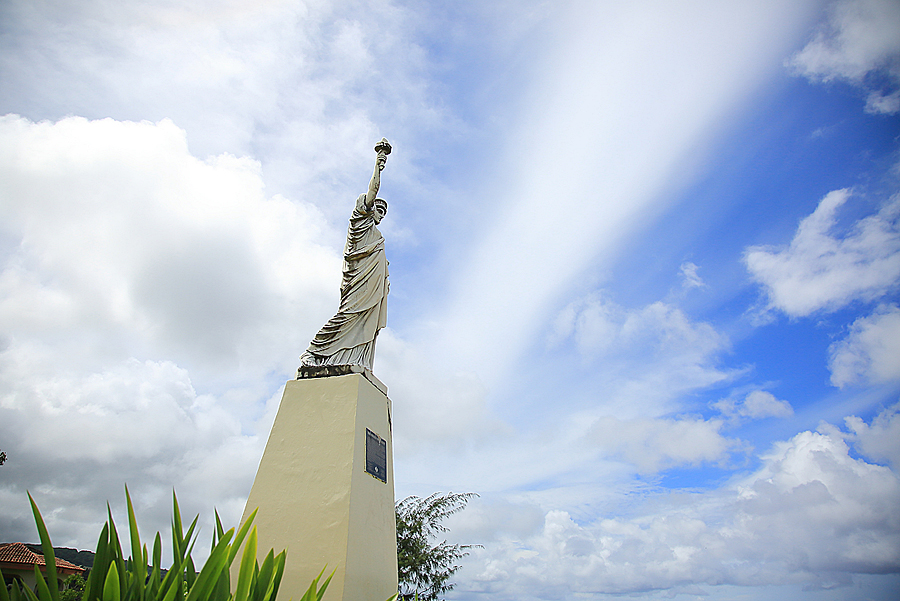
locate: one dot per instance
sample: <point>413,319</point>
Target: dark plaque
<point>376,455</point>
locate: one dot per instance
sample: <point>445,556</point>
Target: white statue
<point>349,337</point>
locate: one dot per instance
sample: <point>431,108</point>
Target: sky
<point>644,256</point>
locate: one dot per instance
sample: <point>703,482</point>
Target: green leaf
<point>312,594</point>
<point>325,584</point>
<point>139,564</point>
<point>245,573</point>
<point>134,585</point>
<point>27,593</point>
<point>245,527</point>
<point>93,586</point>
<point>116,556</point>
<point>189,535</point>
<point>4,595</point>
<point>173,584</point>
<point>190,572</point>
<point>212,569</point>
<point>112,588</point>
<point>47,548</point>
<point>127,582</point>
<point>173,590</point>
<point>254,582</point>
<point>264,578</point>
<point>117,578</point>
<point>177,529</point>
<point>42,589</point>
<point>279,572</point>
<point>219,528</point>
<point>171,581</point>
<point>153,583</point>
<point>222,589</point>
<point>157,553</point>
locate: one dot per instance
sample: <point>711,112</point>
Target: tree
<point>423,568</point>
<point>2,457</point>
<point>73,588</point>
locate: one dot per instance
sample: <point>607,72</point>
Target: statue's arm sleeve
<point>361,207</point>
<point>374,185</point>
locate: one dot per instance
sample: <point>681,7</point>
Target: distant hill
<point>84,559</point>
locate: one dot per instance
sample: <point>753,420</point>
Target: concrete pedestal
<point>315,496</point>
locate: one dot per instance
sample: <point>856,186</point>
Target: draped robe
<point>349,337</point>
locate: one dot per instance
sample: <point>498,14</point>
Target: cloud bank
<point>136,275</point>
<point>811,514</point>
<point>823,270</point>
<point>870,352</point>
<point>858,44</point>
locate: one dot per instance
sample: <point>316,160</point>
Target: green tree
<point>73,588</point>
<point>424,569</point>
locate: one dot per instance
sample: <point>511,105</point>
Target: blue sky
<point>644,259</point>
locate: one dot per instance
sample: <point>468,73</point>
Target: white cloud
<point>150,303</point>
<point>756,405</point>
<point>861,37</point>
<point>652,445</point>
<point>304,87</point>
<point>811,514</point>
<point>870,352</point>
<point>824,271</point>
<point>644,357</point>
<point>880,440</point>
<point>600,326</point>
<point>433,405</point>
<point>122,239</point>
<point>883,103</point>
<point>691,279</point>
<point>620,115</point>
<point>643,362</point>
<point>74,439</point>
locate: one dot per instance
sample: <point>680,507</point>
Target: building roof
<point>17,555</point>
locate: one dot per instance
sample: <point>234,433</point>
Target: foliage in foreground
<point>73,588</point>
<point>424,570</point>
<point>115,578</point>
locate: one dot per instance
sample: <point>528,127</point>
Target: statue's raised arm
<point>349,337</point>
<point>382,149</point>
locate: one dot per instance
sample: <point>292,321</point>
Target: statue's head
<point>380,209</point>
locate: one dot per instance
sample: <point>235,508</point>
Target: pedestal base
<point>325,489</point>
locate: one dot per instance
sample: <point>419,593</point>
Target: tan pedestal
<point>316,498</point>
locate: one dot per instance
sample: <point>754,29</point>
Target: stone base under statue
<point>326,371</point>
<point>325,485</point>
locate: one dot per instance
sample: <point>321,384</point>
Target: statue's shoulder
<point>361,207</point>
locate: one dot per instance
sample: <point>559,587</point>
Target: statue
<point>349,337</point>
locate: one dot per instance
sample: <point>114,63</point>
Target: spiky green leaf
<point>47,548</point>
<point>94,585</point>
<point>139,564</point>
<point>4,595</point>
<point>245,572</point>
<point>112,590</point>
<point>239,538</point>
<point>212,569</point>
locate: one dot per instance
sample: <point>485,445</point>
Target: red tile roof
<point>17,555</point>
